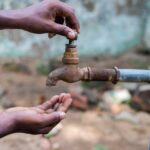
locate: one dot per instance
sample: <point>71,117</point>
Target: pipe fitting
<point>70,55</point>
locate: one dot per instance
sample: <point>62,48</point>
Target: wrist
<point>10,19</point>
<point>7,124</point>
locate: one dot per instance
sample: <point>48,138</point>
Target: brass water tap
<point>71,72</point>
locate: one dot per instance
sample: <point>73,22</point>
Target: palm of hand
<point>41,119</point>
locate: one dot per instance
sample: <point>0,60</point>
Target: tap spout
<point>68,73</point>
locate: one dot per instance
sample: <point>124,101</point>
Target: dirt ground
<point>81,130</point>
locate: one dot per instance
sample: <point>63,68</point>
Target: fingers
<point>57,103</point>
<point>56,107</point>
<point>65,106</point>
<point>66,101</point>
<point>58,20</point>
<point>50,103</point>
<point>72,22</point>
<point>52,118</point>
<point>69,13</point>
<point>64,30</point>
<point>62,96</point>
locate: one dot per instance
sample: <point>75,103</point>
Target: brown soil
<point>81,130</point>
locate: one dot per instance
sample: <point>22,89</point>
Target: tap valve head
<point>70,55</point>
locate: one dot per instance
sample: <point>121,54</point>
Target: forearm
<point>10,19</point>
<point>7,124</point>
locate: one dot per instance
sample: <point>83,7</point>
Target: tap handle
<point>71,42</point>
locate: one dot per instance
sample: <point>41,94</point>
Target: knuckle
<point>65,30</point>
<point>54,5</point>
<point>57,4</point>
<point>72,11</point>
<point>62,30</point>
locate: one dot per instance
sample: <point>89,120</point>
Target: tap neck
<point>70,56</point>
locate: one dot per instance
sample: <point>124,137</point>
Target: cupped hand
<point>35,120</point>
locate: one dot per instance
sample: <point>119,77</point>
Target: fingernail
<point>61,97</point>
<point>78,30</point>
<point>62,115</point>
<point>71,35</point>
<point>69,95</point>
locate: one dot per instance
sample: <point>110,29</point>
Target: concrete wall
<point>107,27</point>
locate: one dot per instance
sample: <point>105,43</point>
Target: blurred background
<point>103,116</point>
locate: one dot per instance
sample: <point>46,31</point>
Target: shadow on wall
<point>107,27</point>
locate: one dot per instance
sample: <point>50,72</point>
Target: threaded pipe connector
<point>70,55</point>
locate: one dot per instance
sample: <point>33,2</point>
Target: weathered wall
<point>107,27</point>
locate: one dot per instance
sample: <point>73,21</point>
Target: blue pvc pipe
<point>133,75</point>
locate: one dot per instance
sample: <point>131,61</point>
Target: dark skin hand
<point>35,120</point>
<point>49,16</point>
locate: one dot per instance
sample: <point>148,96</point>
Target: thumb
<point>65,31</point>
<point>52,118</point>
